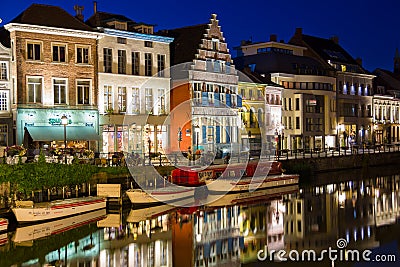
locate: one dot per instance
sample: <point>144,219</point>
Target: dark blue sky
<point>367,29</point>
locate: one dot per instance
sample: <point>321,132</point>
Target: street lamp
<point>64,121</point>
<point>197,131</point>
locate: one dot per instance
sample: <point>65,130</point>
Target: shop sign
<point>57,121</point>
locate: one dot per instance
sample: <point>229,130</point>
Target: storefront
<point>133,133</point>
<point>43,128</point>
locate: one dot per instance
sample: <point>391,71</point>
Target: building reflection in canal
<point>314,217</point>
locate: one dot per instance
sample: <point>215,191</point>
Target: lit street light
<point>197,131</point>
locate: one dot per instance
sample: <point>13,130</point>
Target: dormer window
<point>119,25</point>
<point>146,29</point>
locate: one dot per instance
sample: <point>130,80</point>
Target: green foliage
<point>41,175</point>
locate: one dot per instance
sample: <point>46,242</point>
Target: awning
<point>56,133</point>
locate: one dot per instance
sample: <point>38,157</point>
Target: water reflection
<point>229,231</point>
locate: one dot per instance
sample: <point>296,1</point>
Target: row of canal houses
<point>124,87</point>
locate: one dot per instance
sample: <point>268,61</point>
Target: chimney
<point>273,38</point>
<point>299,32</point>
<point>95,7</point>
<point>78,10</point>
<point>335,39</point>
<point>359,61</point>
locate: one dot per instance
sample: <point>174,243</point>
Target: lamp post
<point>197,131</point>
<point>149,142</point>
<point>64,121</point>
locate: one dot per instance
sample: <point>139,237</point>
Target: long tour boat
<point>168,194</point>
<point>236,177</point>
<point>29,212</point>
<point>37,231</point>
<point>3,224</point>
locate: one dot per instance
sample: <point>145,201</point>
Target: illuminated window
<point>161,101</point>
<point>122,99</point>
<point>60,91</point>
<point>135,101</point>
<point>34,86</point>
<point>4,96</point>
<point>83,92</point>
<point>3,71</point>
<point>149,100</point>
<point>108,103</point>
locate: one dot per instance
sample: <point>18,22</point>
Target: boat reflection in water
<point>231,230</point>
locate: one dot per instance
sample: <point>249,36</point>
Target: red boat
<point>192,176</point>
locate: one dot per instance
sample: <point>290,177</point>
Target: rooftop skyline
<point>365,28</point>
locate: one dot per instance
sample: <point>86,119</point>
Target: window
<point>83,92</point>
<point>297,123</point>
<point>3,71</point>
<point>34,51</point>
<point>297,104</point>
<point>121,61</point>
<point>121,99</point>
<point>60,91</point>
<point>161,101</point>
<point>135,63</point>
<point>107,58</point>
<point>149,100</point>
<point>4,95</point>
<point>121,40</point>
<point>59,53</point>
<point>108,103</point>
<point>217,66</point>
<point>215,44</point>
<point>148,44</point>
<point>82,54</point>
<point>35,89</point>
<point>148,64</point>
<point>160,65</point>
<point>135,101</point>
<point>3,134</point>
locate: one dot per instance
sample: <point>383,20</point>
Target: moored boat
<point>41,230</point>
<point>3,224</point>
<point>168,194</point>
<point>29,212</point>
<point>246,184</point>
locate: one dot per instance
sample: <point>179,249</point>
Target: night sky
<point>367,29</point>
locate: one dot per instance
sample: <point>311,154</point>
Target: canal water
<point>338,216</point>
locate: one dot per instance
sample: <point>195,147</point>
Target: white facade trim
<point>11,27</point>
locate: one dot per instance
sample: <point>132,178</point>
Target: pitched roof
<point>273,62</point>
<point>186,42</point>
<point>100,19</point>
<point>328,49</point>
<point>51,16</point>
<point>388,77</point>
<point>246,75</point>
<point>5,37</point>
